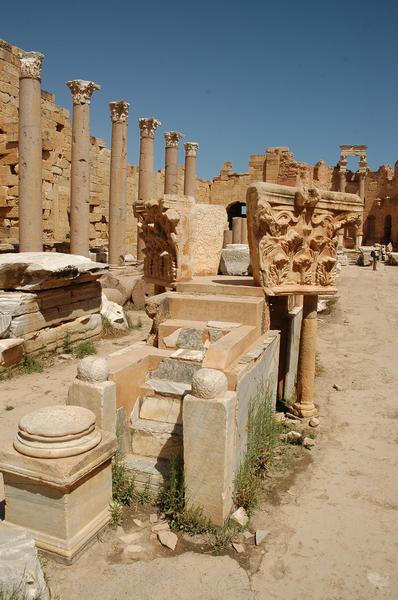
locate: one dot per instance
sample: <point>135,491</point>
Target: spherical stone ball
<point>93,368</point>
<point>209,383</point>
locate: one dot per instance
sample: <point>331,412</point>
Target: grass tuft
<point>85,348</point>
<point>31,365</point>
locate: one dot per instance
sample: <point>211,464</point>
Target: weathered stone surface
<point>261,534</point>
<point>190,339</point>
<point>93,368</point>
<point>20,569</point>
<point>240,517</point>
<point>209,383</point>
<point>175,370</point>
<point>239,548</point>
<point>170,341</point>
<point>11,351</point>
<point>113,295</point>
<point>97,396</point>
<point>114,313</point>
<point>235,259</point>
<point>168,539</point>
<point>43,270</point>
<point>57,432</point>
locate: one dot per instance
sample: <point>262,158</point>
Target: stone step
<point>147,471</point>
<point>155,438</point>
<point>176,370</point>
<point>163,387</point>
<point>161,408</point>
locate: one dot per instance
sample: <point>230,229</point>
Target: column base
<point>303,410</point>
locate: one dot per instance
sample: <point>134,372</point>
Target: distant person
<point>373,256</point>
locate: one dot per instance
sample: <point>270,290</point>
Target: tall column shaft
<point>304,407</point>
<point>118,184</point>
<point>342,181</point>
<point>191,149</point>
<point>146,183</point>
<point>171,162</point>
<point>80,167</point>
<point>30,155</point>
<point>362,186</point>
<point>236,230</point>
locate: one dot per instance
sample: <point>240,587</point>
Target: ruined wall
<point>56,128</point>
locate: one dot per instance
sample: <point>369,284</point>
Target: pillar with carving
<point>146,183</point>
<point>304,405</point>
<point>172,139</point>
<point>30,154</point>
<point>80,166</point>
<point>191,150</point>
<point>118,184</point>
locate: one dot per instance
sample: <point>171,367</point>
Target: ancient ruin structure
<point>118,184</point>
<point>30,154</point>
<point>80,166</point>
<point>171,162</point>
<point>191,150</point>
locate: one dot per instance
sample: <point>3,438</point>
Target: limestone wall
<point>56,127</point>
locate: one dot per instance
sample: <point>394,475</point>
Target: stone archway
<point>237,225</point>
<point>345,152</point>
<point>387,229</point>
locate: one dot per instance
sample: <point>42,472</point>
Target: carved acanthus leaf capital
<point>119,111</point>
<point>172,138</point>
<point>82,90</point>
<point>148,127</point>
<point>31,63</point>
<point>191,148</point>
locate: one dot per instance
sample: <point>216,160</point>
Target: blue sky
<point>236,77</point>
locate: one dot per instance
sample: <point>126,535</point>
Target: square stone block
<point>64,501</point>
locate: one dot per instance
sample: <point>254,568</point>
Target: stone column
<point>146,187</point>
<point>118,183</point>
<point>191,149</point>
<point>171,161</point>
<point>243,235</point>
<point>361,192</point>
<point>30,154</point>
<point>342,181</point>
<point>236,230</point>
<point>80,167</point>
<point>304,407</point>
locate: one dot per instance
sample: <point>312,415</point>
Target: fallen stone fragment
<point>160,527</point>
<point>280,417</point>
<point>293,417</point>
<point>138,522</point>
<point>65,356</point>
<point>153,518</point>
<point>240,517</point>
<point>133,549</point>
<point>261,534</point>
<point>314,422</point>
<point>239,548</point>
<point>294,437</point>
<point>308,442</point>
<point>337,387</point>
<point>168,539</point>
<point>247,535</point>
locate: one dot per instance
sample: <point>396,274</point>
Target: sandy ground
<point>333,527</point>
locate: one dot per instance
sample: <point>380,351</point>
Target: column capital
<point>119,111</point>
<point>82,90</point>
<point>172,138</point>
<point>148,126</point>
<point>31,65</point>
<point>191,148</point>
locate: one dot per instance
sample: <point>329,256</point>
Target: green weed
<point>85,348</point>
<point>31,365</point>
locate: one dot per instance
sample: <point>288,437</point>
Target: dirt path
<point>333,534</point>
<point>336,537</point>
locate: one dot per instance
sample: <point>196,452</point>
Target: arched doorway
<point>387,229</point>
<point>236,213</point>
<point>370,229</point>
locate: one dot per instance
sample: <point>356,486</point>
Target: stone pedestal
<point>191,150</point>
<point>118,184</point>
<point>80,166</point>
<point>304,407</point>
<point>171,162</point>
<point>30,155</point>
<point>57,478</point>
<point>146,188</point>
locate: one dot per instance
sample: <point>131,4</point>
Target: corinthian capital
<point>82,90</point>
<point>172,138</point>
<point>148,127</point>
<point>191,148</point>
<point>31,65</point>
<point>119,111</point>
